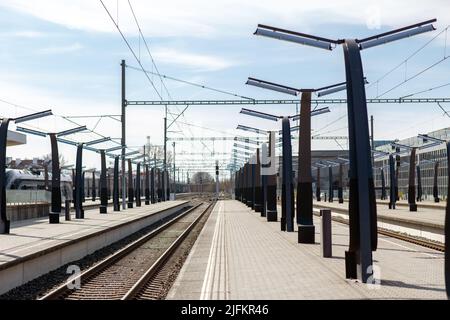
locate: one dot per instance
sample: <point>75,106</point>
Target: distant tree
<point>48,159</point>
<point>202,178</point>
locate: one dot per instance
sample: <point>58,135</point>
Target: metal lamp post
<point>4,221</point>
<point>362,207</point>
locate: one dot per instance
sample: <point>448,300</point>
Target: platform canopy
<point>15,138</point>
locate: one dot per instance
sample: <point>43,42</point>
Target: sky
<point>65,56</point>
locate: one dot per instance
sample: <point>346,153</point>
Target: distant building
<point>425,158</point>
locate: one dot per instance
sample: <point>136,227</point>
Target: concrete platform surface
<point>33,236</point>
<point>35,247</point>
<point>240,255</point>
<point>433,217</point>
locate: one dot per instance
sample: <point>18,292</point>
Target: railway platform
<point>34,247</point>
<point>239,255</point>
<point>427,222</point>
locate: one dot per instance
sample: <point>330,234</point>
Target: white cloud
<point>61,49</point>
<point>191,60</point>
<point>200,18</point>
<point>23,34</point>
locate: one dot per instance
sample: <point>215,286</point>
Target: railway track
<point>145,268</point>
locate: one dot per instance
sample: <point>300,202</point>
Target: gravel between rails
<point>114,281</point>
<point>159,285</point>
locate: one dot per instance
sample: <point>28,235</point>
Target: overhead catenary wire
<point>193,84</point>
<point>414,76</point>
<point>66,118</point>
<point>376,82</point>
<point>141,35</point>
<point>134,54</point>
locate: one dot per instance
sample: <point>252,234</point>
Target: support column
<point>116,185</point>
<point>330,184</point>
<point>272,212</point>
<point>392,183</point>
<point>83,187</point>
<point>362,206</point>
<point>253,180</point>
<point>4,221</point>
<point>123,140</point>
<point>103,184</point>
<point>94,193</point>
<point>287,217</point>
<point>447,228</point>
<point>419,184</point>
<point>159,189</point>
<point>248,178</point>
<point>383,185</point>
<point>341,183</point>
<point>435,182</point>
<point>79,212</point>
<point>412,182</point>
<point>55,209</point>
<point>147,185</point>
<point>167,181</point>
<point>318,185</point>
<point>130,185</point>
<point>306,229</point>
<point>138,185</point>
<point>257,181</point>
<point>152,186</point>
<point>264,195</point>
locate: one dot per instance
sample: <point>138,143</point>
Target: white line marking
<point>212,253</point>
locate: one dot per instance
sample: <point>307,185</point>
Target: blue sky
<point>65,55</point>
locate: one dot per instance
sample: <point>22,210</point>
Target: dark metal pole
<point>318,185</point>
<point>159,193</point>
<point>167,179</point>
<point>83,187</point>
<point>412,182</point>
<point>372,143</point>
<point>130,185</point>
<point>147,185</point>
<point>341,183</point>
<point>249,184</point>
<point>253,181</point>
<point>116,185</point>
<point>419,184</point>
<point>4,223</point>
<point>306,229</point>
<point>330,184</point>
<point>264,195</point>
<point>447,228</point>
<point>435,182</point>
<point>383,185</point>
<point>257,181</point>
<point>152,186</point>
<point>56,182</point>
<point>79,212</point>
<point>244,184</point>
<point>123,140</point>
<point>103,184</point>
<point>138,185</point>
<point>94,194</point>
<point>392,183</point>
<point>174,173</point>
<point>362,206</point>
<point>272,214</point>
<point>165,158</point>
<point>287,220</point>
<point>397,172</point>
